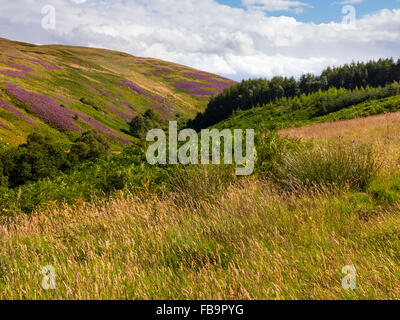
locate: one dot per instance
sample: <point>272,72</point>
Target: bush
<point>88,147</point>
<point>338,165</point>
<point>37,159</point>
<point>141,124</point>
<point>270,150</point>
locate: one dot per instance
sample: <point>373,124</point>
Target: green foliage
<point>37,159</point>
<point>142,123</point>
<point>89,146</point>
<point>386,189</point>
<point>350,84</point>
<point>339,165</point>
<point>322,106</point>
<point>89,180</point>
<point>271,148</point>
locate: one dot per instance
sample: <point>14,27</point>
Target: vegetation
<point>322,106</point>
<point>247,240</point>
<point>85,89</point>
<point>115,227</point>
<point>353,82</point>
<point>142,123</point>
<point>41,158</point>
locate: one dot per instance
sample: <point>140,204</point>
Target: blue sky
<point>325,11</point>
<point>237,38</point>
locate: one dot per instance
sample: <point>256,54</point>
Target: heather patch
<point>45,108</point>
<point>100,91</point>
<point>194,88</point>
<point>44,64</point>
<point>15,112</point>
<point>20,67</point>
<point>4,126</point>
<point>96,125</point>
<point>216,82</point>
<point>177,68</point>
<point>162,109</point>
<point>199,76</point>
<point>125,107</point>
<point>14,74</point>
<point>122,115</point>
<point>22,73</point>
<point>164,70</point>
<point>49,110</point>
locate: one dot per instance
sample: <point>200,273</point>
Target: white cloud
<point>206,35</point>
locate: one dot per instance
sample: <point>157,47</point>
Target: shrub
<point>141,124</point>
<point>138,127</point>
<point>89,146</point>
<point>270,150</point>
<point>338,165</point>
<point>37,159</point>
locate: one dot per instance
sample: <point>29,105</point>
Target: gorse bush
<point>340,165</point>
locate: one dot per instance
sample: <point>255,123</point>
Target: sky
<point>239,39</point>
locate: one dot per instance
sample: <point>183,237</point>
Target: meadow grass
<point>249,241</point>
<point>212,236</point>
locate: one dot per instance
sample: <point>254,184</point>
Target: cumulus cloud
<point>234,42</point>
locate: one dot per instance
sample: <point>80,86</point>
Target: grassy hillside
<point>323,106</point>
<point>61,90</point>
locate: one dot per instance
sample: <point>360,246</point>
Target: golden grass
<point>381,131</point>
<point>250,242</point>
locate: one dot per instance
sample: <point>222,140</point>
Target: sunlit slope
<point>61,90</point>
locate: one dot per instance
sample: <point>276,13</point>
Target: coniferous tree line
<point>259,92</point>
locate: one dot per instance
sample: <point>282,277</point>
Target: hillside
<point>61,90</point>
<point>281,101</point>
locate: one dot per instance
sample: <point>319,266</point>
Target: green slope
<point>299,111</point>
<point>61,90</point>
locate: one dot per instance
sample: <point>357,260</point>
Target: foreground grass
<point>249,242</point>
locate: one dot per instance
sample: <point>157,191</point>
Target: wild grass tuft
<point>339,164</point>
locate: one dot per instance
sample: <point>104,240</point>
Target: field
<point>212,238</point>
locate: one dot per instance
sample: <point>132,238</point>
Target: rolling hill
<point>61,90</point>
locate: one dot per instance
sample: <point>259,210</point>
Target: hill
<point>281,99</point>
<point>61,90</point>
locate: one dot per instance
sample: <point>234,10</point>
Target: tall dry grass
<point>248,242</point>
<point>380,131</point>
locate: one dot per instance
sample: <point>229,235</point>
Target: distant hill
<point>62,90</point>
<point>283,99</point>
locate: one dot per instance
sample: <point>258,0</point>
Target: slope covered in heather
<point>62,90</point>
